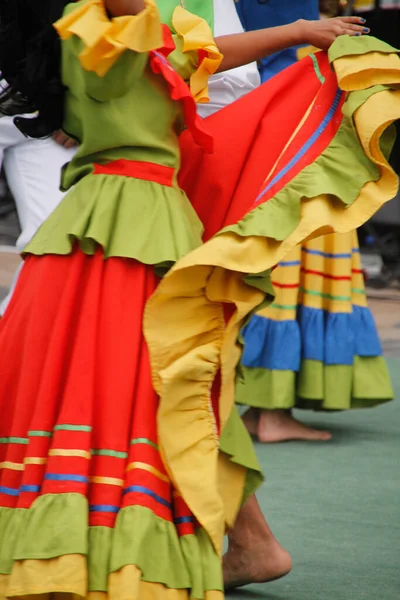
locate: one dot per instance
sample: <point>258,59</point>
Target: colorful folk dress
<point>316,346</point>
<point>119,348</point>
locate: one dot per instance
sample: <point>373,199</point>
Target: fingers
<point>355,20</point>
<point>347,26</point>
<point>63,139</point>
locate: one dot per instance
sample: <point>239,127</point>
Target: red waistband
<point>139,170</point>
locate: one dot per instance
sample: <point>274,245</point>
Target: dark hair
<point>30,56</point>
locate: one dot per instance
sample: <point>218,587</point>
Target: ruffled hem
<point>89,217</point>
<point>106,40</point>
<point>328,337</point>
<point>317,386</point>
<point>197,36</point>
<point>37,556</point>
<point>321,196</point>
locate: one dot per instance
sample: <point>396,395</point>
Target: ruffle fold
<point>197,36</point>
<point>320,199</point>
<point>329,337</point>
<point>54,550</point>
<point>317,386</point>
<point>90,218</point>
<point>107,39</point>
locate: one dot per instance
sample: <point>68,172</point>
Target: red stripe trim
<point>326,276</point>
<point>146,171</point>
<point>285,285</point>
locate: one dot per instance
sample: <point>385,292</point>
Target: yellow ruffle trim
<point>185,359</point>
<point>66,578</point>
<point>106,40</point>
<point>385,70</point>
<point>197,36</point>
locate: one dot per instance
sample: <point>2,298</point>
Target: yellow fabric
<point>383,67</point>
<point>185,359</point>
<point>306,51</point>
<point>148,468</point>
<point>66,574</point>
<point>231,482</point>
<point>65,578</point>
<point>197,36</point>
<point>364,5</point>
<point>12,466</point>
<point>106,40</point>
<point>309,286</point>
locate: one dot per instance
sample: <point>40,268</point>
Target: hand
<point>63,139</point>
<point>323,33</point>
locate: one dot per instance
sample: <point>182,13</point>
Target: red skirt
<point>65,355</point>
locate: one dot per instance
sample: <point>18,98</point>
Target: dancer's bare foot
<point>254,555</point>
<point>250,419</point>
<point>281,426</point>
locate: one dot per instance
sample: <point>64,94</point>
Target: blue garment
<point>259,14</point>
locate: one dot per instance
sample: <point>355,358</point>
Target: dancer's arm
<point>244,48</point>
<point>118,8</point>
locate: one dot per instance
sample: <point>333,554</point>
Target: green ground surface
<point>336,507</point>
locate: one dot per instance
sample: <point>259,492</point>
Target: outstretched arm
<point>119,8</point>
<point>244,48</point>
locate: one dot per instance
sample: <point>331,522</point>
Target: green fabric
<point>11,524</point>
<point>57,525</point>
<point>332,173</point>
<point>236,443</point>
<point>106,210</point>
<point>201,8</point>
<point>120,213</point>
<point>113,116</point>
<point>264,388</point>
<point>317,386</point>
<point>346,45</point>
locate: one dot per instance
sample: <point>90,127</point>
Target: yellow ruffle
<point>106,40</point>
<point>185,359</point>
<point>197,36</point>
<point>384,67</point>
<point>66,577</point>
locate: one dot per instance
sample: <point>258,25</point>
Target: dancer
<point>316,346</point>
<point>104,486</point>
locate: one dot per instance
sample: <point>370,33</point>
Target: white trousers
<point>33,170</point>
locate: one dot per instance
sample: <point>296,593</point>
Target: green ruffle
<point>115,213</point>
<point>317,386</point>
<point>346,45</point>
<point>236,442</point>
<point>332,173</point>
<point>57,525</point>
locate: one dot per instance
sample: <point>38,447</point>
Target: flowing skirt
<point>316,346</point>
<point>117,389</point>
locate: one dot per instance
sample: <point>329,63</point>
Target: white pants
<point>33,170</point>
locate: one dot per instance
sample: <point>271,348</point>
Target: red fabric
<point>73,354</point>
<point>180,92</point>
<point>138,169</point>
<point>249,137</point>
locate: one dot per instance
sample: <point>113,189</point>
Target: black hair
<point>30,57</point>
